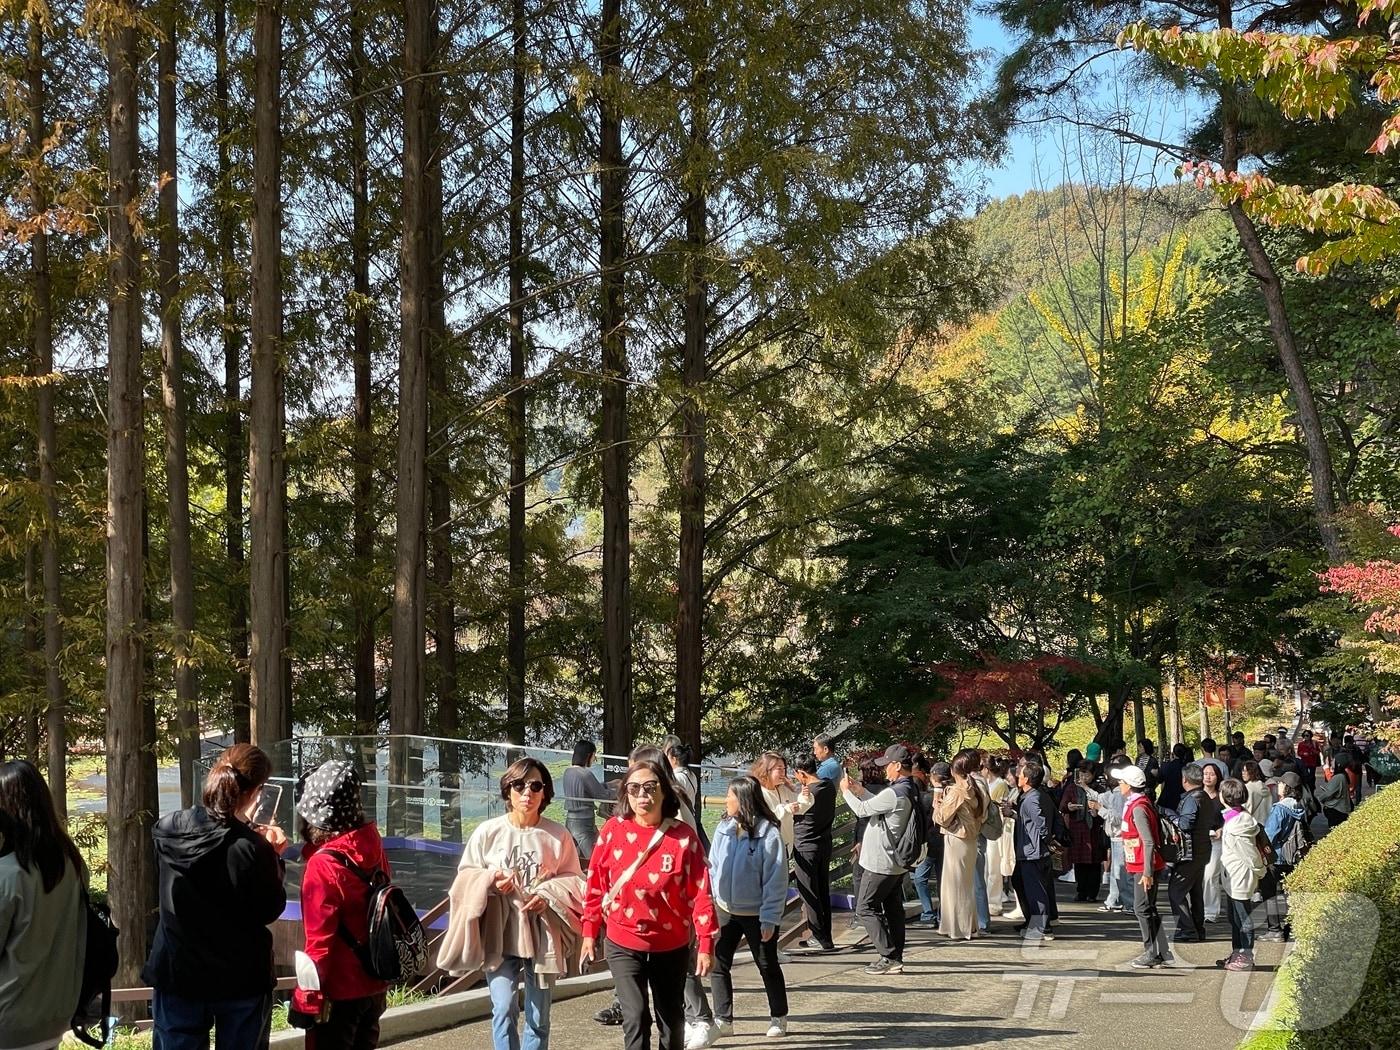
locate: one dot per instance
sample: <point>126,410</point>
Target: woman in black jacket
<point>220,888</point>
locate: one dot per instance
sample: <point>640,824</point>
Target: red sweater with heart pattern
<point>667,896</point>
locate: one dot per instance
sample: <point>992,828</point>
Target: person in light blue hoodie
<point>748,881</point>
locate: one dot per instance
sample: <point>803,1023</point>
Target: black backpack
<point>99,967</point>
<point>1296,845</point>
<point>396,948</point>
<point>1176,844</point>
<point>908,850</point>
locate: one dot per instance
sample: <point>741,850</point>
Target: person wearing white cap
<point>880,904</point>
<point>1142,839</point>
<point>1108,805</point>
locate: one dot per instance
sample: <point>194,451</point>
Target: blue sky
<point>1157,113</point>
<point>1017,172</point>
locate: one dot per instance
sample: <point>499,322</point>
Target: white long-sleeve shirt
<point>786,804</point>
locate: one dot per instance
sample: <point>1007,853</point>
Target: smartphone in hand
<point>269,801</point>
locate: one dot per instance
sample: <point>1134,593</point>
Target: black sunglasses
<point>532,786</point>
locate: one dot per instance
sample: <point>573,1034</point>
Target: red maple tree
<point>1374,587</point>
<point>1017,700</point>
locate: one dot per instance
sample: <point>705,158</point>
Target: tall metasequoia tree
<point>516,435</point>
<point>271,719</point>
<point>409,613</point>
<point>690,580</point>
<point>233,373</point>
<point>128,820</point>
<point>177,471</point>
<point>439,464</point>
<point>42,337</point>
<point>365,720</point>
<point>613,432</point>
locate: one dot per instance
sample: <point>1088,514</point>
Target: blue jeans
<point>979,886</point>
<point>1241,925</point>
<point>926,870</point>
<point>1120,880</point>
<point>238,1024</point>
<point>505,1006</point>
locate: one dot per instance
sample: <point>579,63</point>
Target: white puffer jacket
<point>1240,858</point>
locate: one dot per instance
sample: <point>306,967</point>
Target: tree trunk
<point>366,721</point>
<point>1178,735</point>
<point>516,436</point>
<point>1281,329</point>
<point>177,471</point>
<point>1160,705</point>
<point>440,463</point>
<point>128,821</point>
<point>42,307</point>
<point>406,679</point>
<point>226,234</point>
<point>267,508</point>
<point>1202,711</point>
<point>617,585</point>
<point>29,647</point>
<point>690,580</point>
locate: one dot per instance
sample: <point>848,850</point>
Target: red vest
<point>1132,848</point>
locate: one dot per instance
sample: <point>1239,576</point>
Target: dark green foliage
<point>1344,906</point>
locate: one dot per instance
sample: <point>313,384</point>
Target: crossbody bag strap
<point>626,877</point>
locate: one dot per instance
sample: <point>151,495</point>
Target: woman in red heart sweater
<point>648,882</point>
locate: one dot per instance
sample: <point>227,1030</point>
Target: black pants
<point>1087,879</point>
<point>1186,895</point>
<point>732,929</point>
<point>880,907</point>
<point>1154,940</point>
<point>353,1025</point>
<point>814,886</point>
<point>663,973</point>
<point>1033,883</point>
<point>697,1007</point>
<point>1270,887</point>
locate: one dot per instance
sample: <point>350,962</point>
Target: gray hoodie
<point>43,940</point>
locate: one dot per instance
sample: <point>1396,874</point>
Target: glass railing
<point>427,794</point>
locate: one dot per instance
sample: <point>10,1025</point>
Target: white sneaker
<point>699,1034</point>
<point>724,1026</point>
<point>1067,876</point>
<point>777,1028</point>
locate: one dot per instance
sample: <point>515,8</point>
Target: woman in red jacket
<point>648,881</point>
<point>333,896</point>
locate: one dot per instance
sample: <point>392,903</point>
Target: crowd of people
<point>650,892</point>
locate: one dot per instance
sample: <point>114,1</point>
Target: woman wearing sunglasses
<point>650,885</point>
<point>534,864</point>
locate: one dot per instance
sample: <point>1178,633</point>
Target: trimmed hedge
<point>1342,981</point>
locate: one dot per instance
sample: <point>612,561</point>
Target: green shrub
<point>1343,978</point>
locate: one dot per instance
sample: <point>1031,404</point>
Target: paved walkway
<point>1075,993</point>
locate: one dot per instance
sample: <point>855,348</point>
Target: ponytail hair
<point>239,770</point>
